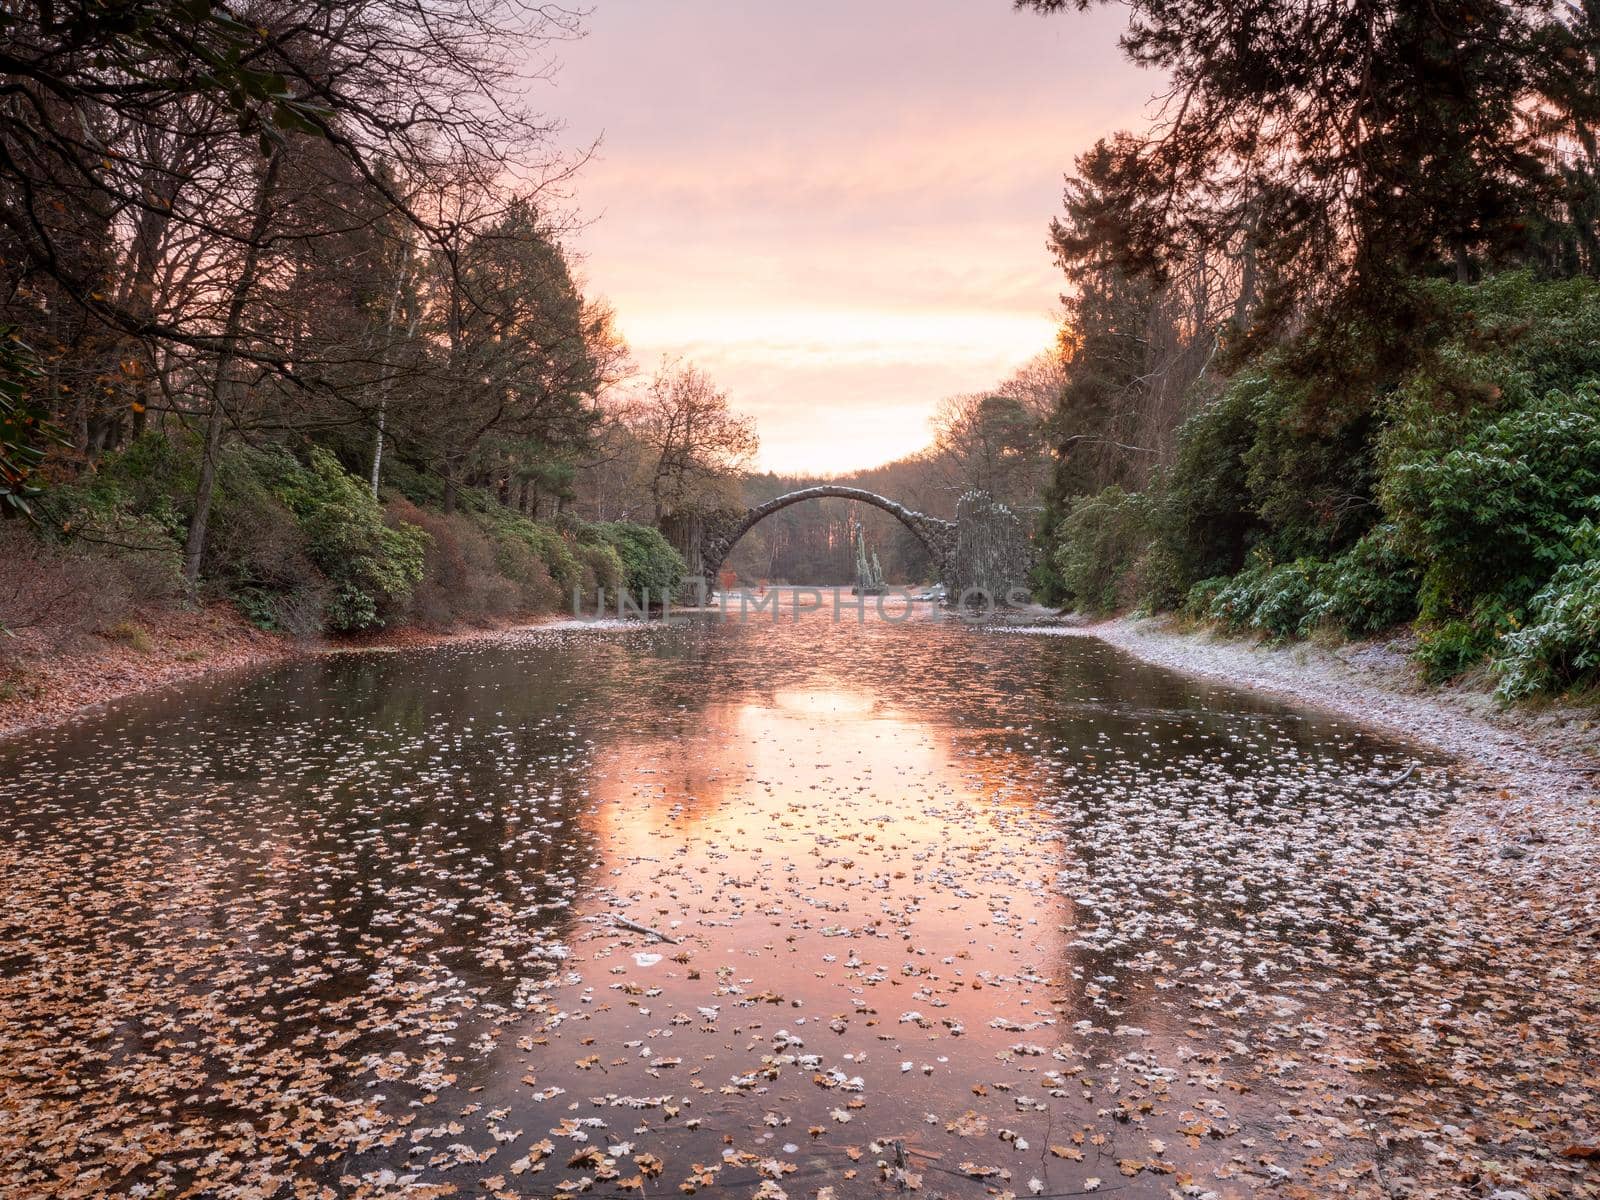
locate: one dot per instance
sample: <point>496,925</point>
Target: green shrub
<point>1198,600</point>
<point>300,547</point>
<point>1279,599</point>
<point>555,550</point>
<point>1311,468</point>
<point>134,498</point>
<point>1282,456</point>
<point>1207,521</point>
<point>1234,603</point>
<point>650,565</point>
<point>153,478</point>
<point>1099,544</point>
<point>1491,458</point>
<point>256,552</point>
<point>1446,650</point>
<point>1371,587</point>
<point>1289,598</point>
<point>132,531</point>
<point>551,545</point>
<point>517,561</point>
<point>1560,646</point>
<point>256,549</point>
<point>372,566</point>
<point>602,567</point>
<point>1044,579</point>
<point>1490,500</point>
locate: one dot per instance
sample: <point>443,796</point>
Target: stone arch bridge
<point>985,545</point>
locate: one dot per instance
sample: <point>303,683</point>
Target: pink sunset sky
<point>838,209</point>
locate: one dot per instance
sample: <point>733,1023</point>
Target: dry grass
<point>133,635</point>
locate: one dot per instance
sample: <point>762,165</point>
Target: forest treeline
<point>286,317</point>
<point>1332,332</point>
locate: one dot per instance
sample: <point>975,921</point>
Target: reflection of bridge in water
<point>985,546</point>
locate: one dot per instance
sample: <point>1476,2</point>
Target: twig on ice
<point>1391,784</point>
<point>638,928</point>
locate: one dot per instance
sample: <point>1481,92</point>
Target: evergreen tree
<point>1354,143</point>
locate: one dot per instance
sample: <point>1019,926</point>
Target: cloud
<point>838,338</point>
<point>839,209</point>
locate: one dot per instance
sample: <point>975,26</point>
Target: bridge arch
<point>721,531</point>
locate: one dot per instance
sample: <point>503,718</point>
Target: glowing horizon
<point>840,214</point>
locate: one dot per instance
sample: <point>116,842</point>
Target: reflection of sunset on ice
<point>883,907</point>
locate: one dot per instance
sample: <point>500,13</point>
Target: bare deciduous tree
<point>693,441</point>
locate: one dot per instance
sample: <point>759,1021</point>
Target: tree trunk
<point>222,385</point>
<point>1247,278</point>
<point>383,392</point>
<point>377,450</point>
